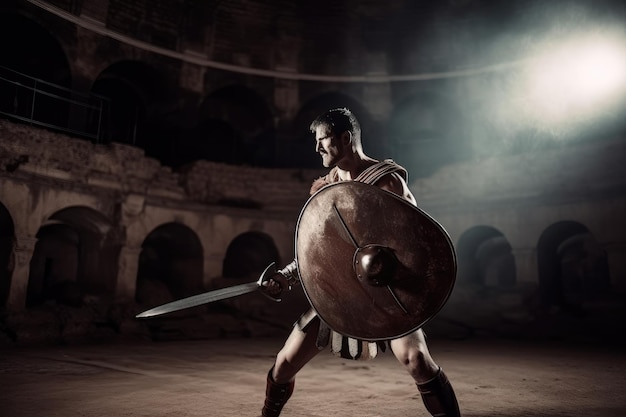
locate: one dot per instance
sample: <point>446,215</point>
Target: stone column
<point>127,273</point>
<point>616,253</point>
<point>526,265</point>
<point>128,262</point>
<point>212,267</point>
<point>23,252</point>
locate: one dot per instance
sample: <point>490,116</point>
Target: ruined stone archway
<point>248,255</point>
<point>170,265</point>
<point>54,267</point>
<point>485,258</point>
<point>75,255</point>
<point>300,152</point>
<point>572,266</point>
<point>7,238</point>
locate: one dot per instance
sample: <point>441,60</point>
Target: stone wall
<point>45,172</point>
<point>128,196</point>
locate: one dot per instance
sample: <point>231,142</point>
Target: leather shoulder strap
<point>374,173</point>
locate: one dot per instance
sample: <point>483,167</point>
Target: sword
<point>212,296</point>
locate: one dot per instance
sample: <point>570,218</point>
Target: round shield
<point>373,266</point>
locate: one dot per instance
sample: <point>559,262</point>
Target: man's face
<point>328,146</point>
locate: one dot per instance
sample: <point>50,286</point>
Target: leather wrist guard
<point>290,272</point>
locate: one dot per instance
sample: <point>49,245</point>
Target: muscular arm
<point>395,184</point>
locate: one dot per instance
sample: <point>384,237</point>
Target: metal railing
<point>34,101</point>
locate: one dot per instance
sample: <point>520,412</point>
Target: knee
<point>413,360</point>
<point>419,363</point>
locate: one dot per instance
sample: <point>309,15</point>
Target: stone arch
<point>75,255</point>
<point>248,255</point>
<point>236,126</point>
<point>171,265</point>
<point>137,93</point>
<point>572,266</point>
<point>485,258</point>
<point>37,54</point>
<point>7,239</point>
<point>422,137</point>
<point>300,152</point>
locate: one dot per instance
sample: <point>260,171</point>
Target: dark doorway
<point>485,259</point>
<point>170,265</point>
<point>573,267</point>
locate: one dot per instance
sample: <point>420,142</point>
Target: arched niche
<point>248,255</point>
<point>572,266</point>
<point>75,255</point>
<point>485,259</point>
<point>170,266</point>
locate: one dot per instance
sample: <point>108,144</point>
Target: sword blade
<point>204,298</point>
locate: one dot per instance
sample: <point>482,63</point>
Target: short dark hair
<point>339,120</point>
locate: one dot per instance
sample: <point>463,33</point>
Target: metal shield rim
<point>443,231</point>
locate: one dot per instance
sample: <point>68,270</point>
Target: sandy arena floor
<point>226,378</point>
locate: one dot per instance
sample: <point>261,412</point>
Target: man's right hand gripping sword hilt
<point>280,280</point>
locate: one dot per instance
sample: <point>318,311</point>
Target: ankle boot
<point>438,396</point>
<point>276,395</point>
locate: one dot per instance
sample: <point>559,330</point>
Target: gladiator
<point>338,142</point>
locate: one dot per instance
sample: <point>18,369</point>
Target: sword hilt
<point>268,275</point>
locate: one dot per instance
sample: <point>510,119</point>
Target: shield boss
<point>373,266</point>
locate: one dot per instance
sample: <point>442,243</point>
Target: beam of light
<point>578,80</point>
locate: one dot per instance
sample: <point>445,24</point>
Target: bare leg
<point>431,381</point>
<point>298,350</point>
<point>412,352</point>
